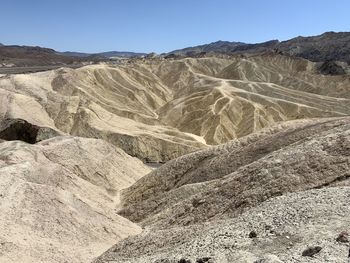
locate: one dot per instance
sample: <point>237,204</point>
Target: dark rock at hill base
<point>343,237</point>
<point>21,130</point>
<point>331,68</point>
<point>311,251</point>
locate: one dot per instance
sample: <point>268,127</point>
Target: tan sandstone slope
<point>157,109</point>
<point>253,173</point>
<point>289,184</point>
<point>58,198</point>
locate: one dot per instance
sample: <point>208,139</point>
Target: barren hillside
<point>28,56</point>
<point>256,151</point>
<point>58,198</point>
<point>160,109</point>
<point>268,196</point>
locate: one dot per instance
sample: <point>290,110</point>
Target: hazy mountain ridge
<point>108,54</point>
<point>29,56</point>
<point>222,46</point>
<point>327,46</point>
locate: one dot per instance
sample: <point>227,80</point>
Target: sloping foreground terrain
<point>157,109</point>
<point>279,195</point>
<point>57,199</point>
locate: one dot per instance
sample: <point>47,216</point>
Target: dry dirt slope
<point>97,101</point>
<point>158,109</point>
<point>57,199</point>
<point>290,184</point>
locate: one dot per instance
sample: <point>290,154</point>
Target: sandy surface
<point>58,199</point>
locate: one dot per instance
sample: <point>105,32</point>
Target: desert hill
<point>174,131</point>
<point>256,152</point>
<point>218,46</point>
<point>286,226</point>
<point>58,198</point>
<point>267,196</point>
<point>157,109</point>
<point>28,56</point>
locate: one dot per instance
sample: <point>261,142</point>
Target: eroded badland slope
<point>257,152</point>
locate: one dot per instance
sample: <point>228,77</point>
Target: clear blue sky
<point>163,25</point>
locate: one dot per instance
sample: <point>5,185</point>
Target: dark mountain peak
<point>222,42</point>
<point>28,49</point>
<point>29,56</point>
<point>329,46</point>
<point>217,47</point>
<point>256,48</point>
<point>335,34</point>
<point>331,35</point>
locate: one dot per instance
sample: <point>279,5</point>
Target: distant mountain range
<point>330,46</point>
<point>222,46</point>
<point>108,54</point>
<point>28,56</point>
